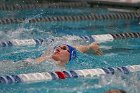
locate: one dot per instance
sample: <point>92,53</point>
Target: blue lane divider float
<point>48,76</point>
<point>93,38</point>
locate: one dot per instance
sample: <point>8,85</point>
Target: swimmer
<point>64,53</point>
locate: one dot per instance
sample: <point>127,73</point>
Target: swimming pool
<point>118,53</point>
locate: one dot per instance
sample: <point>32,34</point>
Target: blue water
<point>116,53</point>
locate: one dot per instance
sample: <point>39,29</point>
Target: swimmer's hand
<point>93,46</point>
<point>96,48</point>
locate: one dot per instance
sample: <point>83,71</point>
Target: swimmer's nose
<point>57,50</point>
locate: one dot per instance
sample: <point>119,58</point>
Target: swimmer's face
<point>61,53</point>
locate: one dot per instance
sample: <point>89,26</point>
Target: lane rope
<point>56,75</point>
<point>93,17</point>
<point>92,38</point>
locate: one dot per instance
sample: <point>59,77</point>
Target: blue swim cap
<point>72,51</point>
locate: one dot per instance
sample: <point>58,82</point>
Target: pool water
<point>116,53</point>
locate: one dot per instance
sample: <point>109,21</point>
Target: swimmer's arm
<point>40,59</point>
<point>36,60</point>
<point>93,46</point>
<point>30,61</point>
<point>43,57</point>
